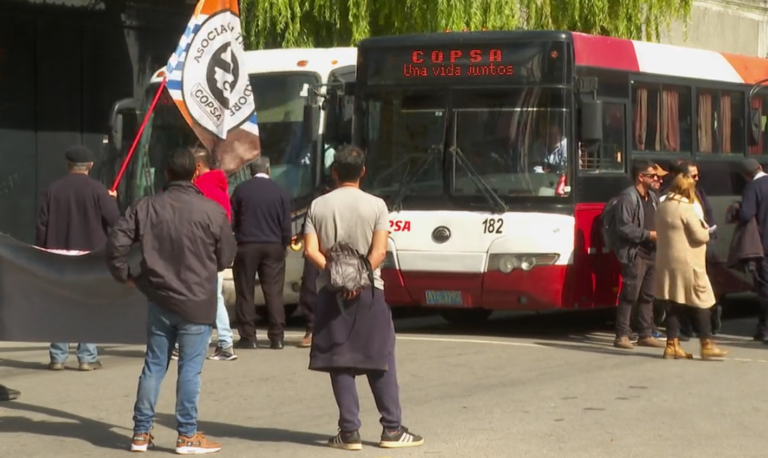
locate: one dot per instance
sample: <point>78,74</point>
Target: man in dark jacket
<point>76,213</point>
<point>709,218</point>
<point>636,251</point>
<point>184,239</point>
<point>261,217</point>
<point>754,204</point>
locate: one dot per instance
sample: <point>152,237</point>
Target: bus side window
<point>608,155</point>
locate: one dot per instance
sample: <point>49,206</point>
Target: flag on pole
<point>208,81</point>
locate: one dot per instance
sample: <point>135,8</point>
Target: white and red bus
<point>496,152</point>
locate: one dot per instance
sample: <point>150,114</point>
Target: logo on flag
<point>209,85</point>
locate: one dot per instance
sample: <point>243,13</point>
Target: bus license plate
<point>444,298</point>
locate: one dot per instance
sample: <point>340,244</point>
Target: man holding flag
<point>215,97</point>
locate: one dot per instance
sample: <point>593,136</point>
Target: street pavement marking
<point>475,341</point>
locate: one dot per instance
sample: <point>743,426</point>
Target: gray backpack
<point>348,270</point>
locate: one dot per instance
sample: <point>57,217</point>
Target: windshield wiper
<point>498,205</point>
<point>396,203</point>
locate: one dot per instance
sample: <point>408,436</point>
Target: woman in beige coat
<point>681,273</point>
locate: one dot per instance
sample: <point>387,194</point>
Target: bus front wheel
<point>465,316</point>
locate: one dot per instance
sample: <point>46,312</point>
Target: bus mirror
<point>117,131</point>
<point>755,126</point>
<point>311,123</point>
<point>123,121</point>
<point>591,120</point>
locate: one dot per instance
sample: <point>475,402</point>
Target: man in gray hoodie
<point>636,251</point>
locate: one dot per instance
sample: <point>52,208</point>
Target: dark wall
<point>61,69</point>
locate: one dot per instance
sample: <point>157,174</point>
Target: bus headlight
<point>527,263</point>
<point>506,263</point>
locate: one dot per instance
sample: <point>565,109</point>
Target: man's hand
<point>347,295</point>
<point>130,283</point>
<point>652,236</point>
<point>112,193</point>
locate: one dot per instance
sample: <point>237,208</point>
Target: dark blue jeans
<point>164,329</point>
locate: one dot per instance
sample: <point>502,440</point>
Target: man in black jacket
<point>184,239</point>
<point>76,213</point>
<point>754,204</point>
<point>261,217</point>
<point>636,251</point>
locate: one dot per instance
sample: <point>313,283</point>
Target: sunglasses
<point>652,176</point>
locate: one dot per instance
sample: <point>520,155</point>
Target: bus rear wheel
<point>465,316</point>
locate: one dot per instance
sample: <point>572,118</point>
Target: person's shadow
<point>95,432</point>
<point>101,434</point>
<point>250,433</point>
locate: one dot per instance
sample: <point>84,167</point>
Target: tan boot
<point>623,343</point>
<point>650,342</point>
<point>673,350</point>
<point>710,351</point>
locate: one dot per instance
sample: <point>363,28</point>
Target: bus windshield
<point>280,99</point>
<point>515,139</point>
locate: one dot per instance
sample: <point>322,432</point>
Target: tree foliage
<point>324,23</point>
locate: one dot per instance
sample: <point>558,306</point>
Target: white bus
<point>496,152</point>
<point>282,80</point>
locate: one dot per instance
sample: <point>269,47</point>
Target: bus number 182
<point>493,226</point>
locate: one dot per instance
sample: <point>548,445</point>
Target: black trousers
<point>701,319</point>
<point>267,260</point>
<point>760,280</point>
<point>308,293</point>
<point>386,394</point>
<point>636,292</point>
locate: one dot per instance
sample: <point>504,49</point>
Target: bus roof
<point>610,53</point>
<point>319,60</point>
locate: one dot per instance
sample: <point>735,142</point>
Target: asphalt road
<point>516,387</point>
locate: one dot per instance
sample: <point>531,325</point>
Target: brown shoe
<point>650,342</point>
<point>623,343</point>
<point>306,342</point>
<point>141,442</point>
<point>675,351</point>
<point>710,351</point>
<point>87,367</point>
<point>196,445</point>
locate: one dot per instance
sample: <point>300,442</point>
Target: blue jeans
<point>163,330</point>
<point>86,352</point>
<point>223,328</point>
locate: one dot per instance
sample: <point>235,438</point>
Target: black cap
<point>79,154</point>
<point>750,166</point>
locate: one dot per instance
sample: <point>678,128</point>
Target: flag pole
<point>138,134</point>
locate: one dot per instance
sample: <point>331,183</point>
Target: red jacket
<point>213,185</point>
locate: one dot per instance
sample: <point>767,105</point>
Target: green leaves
<point>325,23</point>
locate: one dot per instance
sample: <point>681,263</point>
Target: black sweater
<point>261,212</point>
<point>76,213</point>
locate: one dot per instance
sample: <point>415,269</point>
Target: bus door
<point>602,174</point>
<point>337,129</point>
